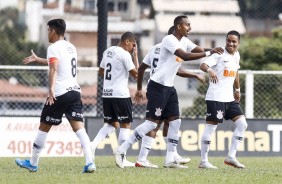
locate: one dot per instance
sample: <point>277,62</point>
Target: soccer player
<point>64,97</point>
<point>115,68</point>
<point>151,60</point>
<point>221,101</point>
<point>162,96</point>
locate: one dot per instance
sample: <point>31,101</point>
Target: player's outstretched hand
<point>138,98</point>
<point>217,50</point>
<point>31,58</point>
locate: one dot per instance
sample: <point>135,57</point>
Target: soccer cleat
<point>206,165</point>
<point>127,163</point>
<point>119,158</point>
<point>233,162</point>
<point>182,160</point>
<point>26,164</point>
<point>146,164</point>
<point>175,165</point>
<point>89,168</point>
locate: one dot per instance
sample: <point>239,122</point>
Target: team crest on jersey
<point>219,114</point>
<point>158,112</point>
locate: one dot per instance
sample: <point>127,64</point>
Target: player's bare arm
<point>205,68</point>
<point>138,95</point>
<point>184,73</point>
<point>187,56</point>
<point>34,58</point>
<point>101,71</point>
<point>237,93</point>
<point>135,56</point>
<point>53,69</point>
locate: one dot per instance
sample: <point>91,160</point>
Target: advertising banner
<point>262,138</point>
<point>18,133</point>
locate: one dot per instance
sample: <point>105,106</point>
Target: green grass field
<point>68,170</point>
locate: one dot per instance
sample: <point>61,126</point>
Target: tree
<point>260,8</point>
<point>13,45</point>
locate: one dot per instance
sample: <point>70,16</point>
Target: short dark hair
<point>127,35</point>
<point>170,31</point>
<point>233,32</point>
<point>58,25</point>
<point>178,19</point>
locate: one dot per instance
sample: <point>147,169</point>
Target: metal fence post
<point>102,45</point>
<point>249,97</point>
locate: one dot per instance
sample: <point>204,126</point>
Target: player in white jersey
<point>115,68</point>
<point>151,60</point>
<point>162,96</point>
<point>64,96</point>
<point>221,101</point>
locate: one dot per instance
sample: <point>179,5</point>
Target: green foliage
<point>260,8</point>
<point>13,45</point>
<point>262,53</point>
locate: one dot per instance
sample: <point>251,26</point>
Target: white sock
<point>206,141</point>
<point>139,133</point>
<point>38,145</point>
<point>102,134</point>
<point>172,140</point>
<point>123,136</point>
<point>85,144</point>
<point>238,136</point>
<point>146,146</point>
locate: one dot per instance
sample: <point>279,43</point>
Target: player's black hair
<point>58,25</point>
<point>170,31</point>
<point>178,19</point>
<point>127,36</point>
<point>233,32</point>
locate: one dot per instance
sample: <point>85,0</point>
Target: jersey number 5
<point>108,72</point>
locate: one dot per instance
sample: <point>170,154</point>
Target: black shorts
<point>216,111</point>
<point>117,110</point>
<point>162,101</point>
<point>69,104</point>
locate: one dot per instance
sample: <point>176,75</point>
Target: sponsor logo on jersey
<point>157,50</point>
<point>74,88</point>
<point>108,92</point>
<point>178,59</point>
<point>229,73</point>
<point>109,54</point>
<point>70,50</point>
<point>225,61</point>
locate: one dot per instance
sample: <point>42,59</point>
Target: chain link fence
<point>24,90</point>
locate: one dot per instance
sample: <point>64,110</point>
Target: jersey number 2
<point>108,72</point>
